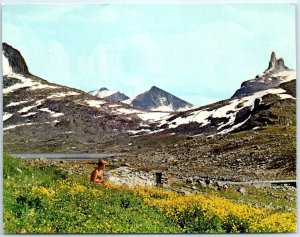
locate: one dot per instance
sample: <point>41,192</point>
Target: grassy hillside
<point>42,199</point>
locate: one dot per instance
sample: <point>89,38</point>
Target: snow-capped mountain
<point>255,107</point>
<point>157,99</point>
<point>58,117</point>
<point>273,76</point>
<point>104,93</point>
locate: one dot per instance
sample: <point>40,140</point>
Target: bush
<point>196,221</point>
<point>234,224</point>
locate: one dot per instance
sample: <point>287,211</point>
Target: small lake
<point>64,156</point>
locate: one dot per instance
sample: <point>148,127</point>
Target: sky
<point>198,52</point>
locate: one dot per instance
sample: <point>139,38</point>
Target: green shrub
<point>197,222</point>
<point>233,224</point>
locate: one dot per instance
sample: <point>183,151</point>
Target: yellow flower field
<point>259,219</point>
<point>175,205</point>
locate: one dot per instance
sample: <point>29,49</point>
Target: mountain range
<point>155,99</point>
<point>75,120</point>
<point>104,93</point>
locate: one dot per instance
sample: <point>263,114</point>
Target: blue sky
<point>199,52</point>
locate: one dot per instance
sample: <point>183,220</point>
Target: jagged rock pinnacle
<point>276,64</point>
<point>273,60</point>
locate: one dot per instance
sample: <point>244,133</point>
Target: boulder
<point>242,190</point>
<point>202,184</point>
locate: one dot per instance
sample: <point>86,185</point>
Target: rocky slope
<point>104,93</point>
<point>157,99</point>
<point>268,153</point>
<point>37,113</point>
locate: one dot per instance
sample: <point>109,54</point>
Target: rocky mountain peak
<point>273,76</point>
<point>107,94</point>
<point>103,89</point>
<point>276,64</point>
<point>158,99</point>
<point>273,61</point>
<point>154,88</point>
<point>16,62</point>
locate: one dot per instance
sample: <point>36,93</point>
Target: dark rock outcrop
<point>15,59</point>
<point>277,64</point>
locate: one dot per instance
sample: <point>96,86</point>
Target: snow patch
<point>95,103</point>
<point>104,93</point>
<point>113,106</point>
<point>153,116</point>
<point>25,82</point>
<point>52,113</point>
<point>26,109</point>
<point>286,96</point>
<point>187,108</point>
<point>256,128</point>
<point>11,104</point>
<point>59,95</point>
<point>127,111</point>
<point>164,108</point>
<point>29,114</point>
<point>6,68</point>
<point>234,127</point>
<point>6,116</point>
<point>286,75</point>
<point>42,86</point>
<point>55,115</point>
<point>128,101</point>
<point>15,126</point>
<point>139,131</point>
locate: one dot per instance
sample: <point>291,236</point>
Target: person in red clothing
<point>97,174</point>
